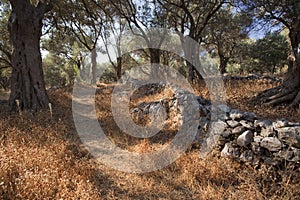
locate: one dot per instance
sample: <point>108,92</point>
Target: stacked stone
<point>236,134</point>
<point>255,77</point>
<point>245,137</point>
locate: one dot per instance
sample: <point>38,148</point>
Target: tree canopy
<point>70,30</point>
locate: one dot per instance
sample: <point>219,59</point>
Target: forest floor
<point>41,157</point>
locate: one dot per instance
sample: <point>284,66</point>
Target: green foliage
<point>270,52</point>
<point>225,31</point>
<point>58,72</point>
<point>5,47</point>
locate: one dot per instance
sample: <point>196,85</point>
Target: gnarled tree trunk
<point>288,92</point>
<point>27,82</point>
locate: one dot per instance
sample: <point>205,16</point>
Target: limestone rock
<point>229,150</point>
<point>245,139</point>
<point>227,133</point>
<point>250,116</point>
<point>238,130</point>
<point>280,123</point>
<point>224,108</point>
<point>236,114</point>
<point>271,143</point>
<point>290,137</point>
<point>267,131</point>
<point>218,127</point>
<point>262,123</point>
<point>247,124</point>
<point>233,123</point>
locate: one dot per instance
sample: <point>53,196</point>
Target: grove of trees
<point>46,42</point>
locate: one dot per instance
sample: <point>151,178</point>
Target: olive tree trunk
<point>289,91</point>
<point>27,81</point>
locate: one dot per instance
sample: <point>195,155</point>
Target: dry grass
<point>42,158</point>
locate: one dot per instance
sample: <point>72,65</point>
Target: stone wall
<point>245,137</point>
<point>240,135</point>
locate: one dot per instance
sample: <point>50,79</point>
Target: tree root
<point>296,100</point>
<point>283,98</point>
<point>267,93</point>
<point>278,95</point>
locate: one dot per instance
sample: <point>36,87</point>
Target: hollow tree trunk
<point>27,81</point>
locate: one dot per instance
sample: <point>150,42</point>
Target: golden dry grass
<point>43,158</point>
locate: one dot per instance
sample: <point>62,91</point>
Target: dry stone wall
<point>239,135</point>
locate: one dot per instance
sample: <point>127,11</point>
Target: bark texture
<point>27,81</point>
<point>288,92</point>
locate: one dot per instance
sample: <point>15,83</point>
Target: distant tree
<point>271,51</point>
<point>190,19</point>
<point>62,43</point>
<point>225,31</point>
<point>112,37</point>
<point>5,47</point>
<point>84,19</point>
<point>58,71</point>
<point>147,20</point>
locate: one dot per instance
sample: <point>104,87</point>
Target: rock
<point>250,116</point>
<point>241,135</point>
<point>226,134</point>
<point>258,139</point>
<point>267,132</point>
<point>294,124</point>
<point>245,139</point>
<point>280,123</point>
<point>218,127</point>
<point>271,143</point>
<point>290,137</point>
<point>229,150</point>
<point>247,124</point>
<point>233,123</point>
<point>236,114</point>
<point>262,123</point>
<point>294,130</point>
<point>224,108</point>
<point>238,130</point>
<point>247,156</point>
